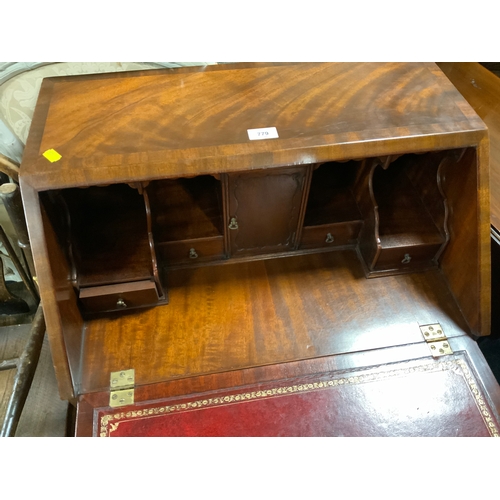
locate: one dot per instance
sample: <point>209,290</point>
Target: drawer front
<point>191,251</point>
<point>119,297</point>
<point>330,235</point>
<point>406,258</point>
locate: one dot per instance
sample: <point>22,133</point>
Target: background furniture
<point>15,310</point>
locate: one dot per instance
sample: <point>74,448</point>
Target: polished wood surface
<point>265,207</point>
<point>368,405</point>
<point>369,402</point>
<point>152,129</point>
<point>462,247</point>
<point>481,88</point>
<point>241,315</point>
<point>63,319</point>
<point>149,125</point>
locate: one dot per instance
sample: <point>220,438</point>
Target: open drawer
<point>119,297</point>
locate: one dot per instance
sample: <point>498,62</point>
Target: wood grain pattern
<point>367,402</point>
<point>62,316</point>
<point>266,206</point>
<point>174,133</point>
<point>163,125</point>
<point>481,89</point>
<point>264,312</point>
<point>90,404</point>
<point>465,243</point>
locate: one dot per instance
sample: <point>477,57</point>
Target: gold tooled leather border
<point>109,423</point>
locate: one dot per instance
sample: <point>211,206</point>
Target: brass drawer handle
<point>233,224</point>
<point>121,303</point>
<point>407,259</point>
<point>329,238</point>
<point>193,254</point>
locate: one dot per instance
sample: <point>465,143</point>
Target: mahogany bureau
<point>243,229</point>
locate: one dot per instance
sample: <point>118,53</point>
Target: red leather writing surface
<point>425,398</point>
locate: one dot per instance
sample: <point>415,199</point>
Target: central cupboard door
<point>264,210</point>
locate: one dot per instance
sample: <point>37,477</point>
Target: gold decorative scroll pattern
<point>109,423</point>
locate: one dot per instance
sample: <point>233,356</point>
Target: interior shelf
<point>403,218</point>
<point>105,249</point>
<point>405,213</point>
<point>186,209</point>
<point>330,198</point>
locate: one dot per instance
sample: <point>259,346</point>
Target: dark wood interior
<point>314,207</point>
<point>330,197</point>
<point>404,219</point>
<point>228,311</point>
<point>186,209</point>
<point>108,232</point>
<point>409,201</point>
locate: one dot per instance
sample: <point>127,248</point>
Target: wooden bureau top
<point>125,127</point>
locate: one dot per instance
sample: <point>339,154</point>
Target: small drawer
<point>119,297</point>
<point>406,258</point>
<point>330,235</point>
<point>191,251</point>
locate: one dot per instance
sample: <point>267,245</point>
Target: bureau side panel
<point>466,260</point>
<point>484,228</point>
<point>63,319</point>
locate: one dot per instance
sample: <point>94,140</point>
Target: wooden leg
<point>11,197</point>
<point>26,366</point>
<point>20,269</point>
<point>9,304</point>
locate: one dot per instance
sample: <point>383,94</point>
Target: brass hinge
<point>121,388</point>
<point>436,340</point>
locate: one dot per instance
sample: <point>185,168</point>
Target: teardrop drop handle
<point>233,224</point>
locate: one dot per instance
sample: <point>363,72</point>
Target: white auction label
<point>255,134</point>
